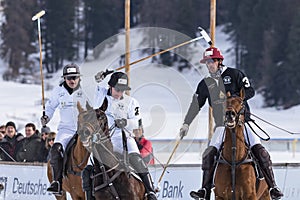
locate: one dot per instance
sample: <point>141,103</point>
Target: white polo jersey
<point>67,105</point>
<point>128,108</point>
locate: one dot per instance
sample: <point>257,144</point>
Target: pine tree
<point>59,33</point>
<point>17,36</point>
<point>105,20</point>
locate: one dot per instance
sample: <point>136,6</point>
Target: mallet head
<point>38,15</point>
<point>205,35</point>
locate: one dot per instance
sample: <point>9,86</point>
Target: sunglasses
<point>50,139</point>
<point>211,61</point>
<point>72,78</point>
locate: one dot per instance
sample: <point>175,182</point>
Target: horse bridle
<point>236,115</point>
<point>232,113</point>
<point>91,128</point>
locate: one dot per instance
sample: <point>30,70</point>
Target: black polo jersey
<point>232,80</point>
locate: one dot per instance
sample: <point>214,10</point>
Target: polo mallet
<point>157,189</point>
<point>204,36</point>
<point>34,18</point>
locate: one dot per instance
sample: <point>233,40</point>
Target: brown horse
<point>76,161</point>
<point>235,175</point>
<point>111,179</point>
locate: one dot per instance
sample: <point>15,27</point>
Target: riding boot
<point>150,193</point>
<point>56,163</point>
<point>265,163</point>
<point>87,182</point>
<point>208,167</point>
<point>141,168</point>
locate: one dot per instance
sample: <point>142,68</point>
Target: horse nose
<point>230,114</point>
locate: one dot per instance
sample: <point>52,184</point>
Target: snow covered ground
<point>164,95</point>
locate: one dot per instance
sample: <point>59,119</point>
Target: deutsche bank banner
<point>29,181</point>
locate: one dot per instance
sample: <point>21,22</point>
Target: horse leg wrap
<point>265,163</point>
<point>56,161</point>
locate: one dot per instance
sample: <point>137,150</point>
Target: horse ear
<point>242,93</point>
<point>88,106</point>
<point>228,94</point>
<point>79,107</point>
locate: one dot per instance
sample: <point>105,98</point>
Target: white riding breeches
<point>218,137</point>
<point>117,142</point>
<point>63,137</point>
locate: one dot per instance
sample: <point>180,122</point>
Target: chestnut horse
<point>77,159</point>
<point>111,179</point>
<point>235,175</point>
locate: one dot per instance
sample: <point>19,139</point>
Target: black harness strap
<point>107,181</point>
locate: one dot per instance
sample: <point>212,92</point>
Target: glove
<point>100,76</point>
<point>120,123</point>
<point>184,130</point>
<point>44,120</point>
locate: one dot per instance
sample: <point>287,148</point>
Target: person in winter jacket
<point>29,149</point>
<point>213,88</point>
<point>9,142</point>
<point>144,145</point>
<point>64,97</point>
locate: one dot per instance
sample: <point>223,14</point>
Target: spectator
<point>49,143</point>
<point>45,130</point>
<point>144,145</point>
<point>9,142</point>
<point>2,132</point>
<point>29,148</point>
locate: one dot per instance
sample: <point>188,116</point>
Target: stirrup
<point>55,188</point>
<point>151,195</point>
<point>275,193</point>
<point>199,195</point>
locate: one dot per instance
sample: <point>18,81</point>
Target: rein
<point>265,121</point>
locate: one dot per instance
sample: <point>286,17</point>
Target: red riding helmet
<point>211,53</point>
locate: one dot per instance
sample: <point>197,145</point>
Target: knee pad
<point>208,157</point>
<point>56,153</point>
<point>138,163</point>
<point>262,155</point>
<point>86,174</point>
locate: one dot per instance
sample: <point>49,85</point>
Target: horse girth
<point>245,160</point>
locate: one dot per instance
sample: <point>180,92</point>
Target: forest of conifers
<point>265,34</point>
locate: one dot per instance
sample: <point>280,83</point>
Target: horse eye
<point>86,132</point>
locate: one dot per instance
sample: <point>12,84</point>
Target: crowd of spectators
<point>32,146</point>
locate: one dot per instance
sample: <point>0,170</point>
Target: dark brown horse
<point>111,179</point>
<point>76,161</point>
<point>235,176</point>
